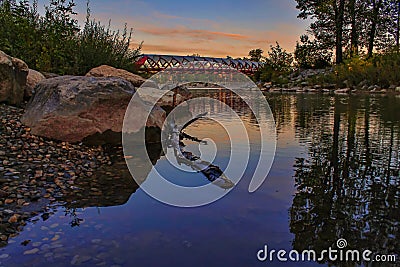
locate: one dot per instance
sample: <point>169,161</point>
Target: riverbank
<point>343,91</point>
<point>331,80</point>
<point>35,172</point>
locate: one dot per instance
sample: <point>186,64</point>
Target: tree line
<point>351,27</point>
<point>358,40</point>
<point>54,41</point>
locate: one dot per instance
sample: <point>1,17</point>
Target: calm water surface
<point>335,175</point>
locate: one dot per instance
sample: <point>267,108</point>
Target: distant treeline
<point>54,41</point>
<point>359,39</point>
<point>351,27</point>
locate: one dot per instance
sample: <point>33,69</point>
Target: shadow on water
<point>111,185</point>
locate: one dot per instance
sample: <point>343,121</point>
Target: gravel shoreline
<point>35,172</point>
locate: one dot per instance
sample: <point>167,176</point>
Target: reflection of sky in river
<point>229,232</point>
<point>144,232</point>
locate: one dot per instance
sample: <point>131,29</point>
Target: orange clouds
<point>168,34</point>
<point>181,40</point>
<point>185,32</point>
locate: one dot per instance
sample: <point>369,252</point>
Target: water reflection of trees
<point>348,185</point>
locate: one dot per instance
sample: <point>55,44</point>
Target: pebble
<point>54,225</point>
<point>36,244</point>
<point>9,201</point>
<point>4,256</point>
<point>77,259</point>
<point>32,251</point>
<point>55,238</point>
<point>48,255</point>
<point>36,172</point>
<point>118,261</point>
<point>13,219</point>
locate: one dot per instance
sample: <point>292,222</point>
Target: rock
<point>343,91</point>
<point>4,256</point>
<point>9,201</point>
<point>34,77</point>
<point>374,88</point>
<point>304,84</point>
<point>13,219</point>
<point>3,194</point>
<point>397,90</point>
<point>13,74</point>
<point>71,108</point>
<point>267,85</point>
<point>32,251</point>
<point>362,84</point>
<point>55,238</point>
<point>49,75</point>
<point>108,71</point>
<point>77,259</point>
<point>171,98</point>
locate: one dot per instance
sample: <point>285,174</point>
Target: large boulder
<point>34,77</point>
<point>172,97</point>
<point>108,71</point>
<point>13,74</point>
<point>71,108</point>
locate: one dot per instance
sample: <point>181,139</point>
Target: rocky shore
<point>60,139</point>
<point>305,82</point>
<point>35,171</point>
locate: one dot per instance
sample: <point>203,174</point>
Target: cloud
<point>160,36</point>
<point>160,15</point>
<point>182,50</point>
<point>182,31</point>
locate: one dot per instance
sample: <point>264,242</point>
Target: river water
<point>335,175</point>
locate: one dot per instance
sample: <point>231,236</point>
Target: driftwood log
<point>174,138</point>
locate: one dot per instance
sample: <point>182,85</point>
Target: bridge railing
<point>152,62</point>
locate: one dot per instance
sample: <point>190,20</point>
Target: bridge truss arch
<point>155,63</point>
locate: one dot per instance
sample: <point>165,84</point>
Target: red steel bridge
<point>155,63</point>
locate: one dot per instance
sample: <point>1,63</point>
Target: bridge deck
<point>152,62</point>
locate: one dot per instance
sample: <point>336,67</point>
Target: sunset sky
<point>210,28</point>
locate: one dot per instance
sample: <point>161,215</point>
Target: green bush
<point>54,42</point>
<point>278,64</point>
<point>381,70</point>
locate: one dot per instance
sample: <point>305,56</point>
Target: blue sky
<point>206,27</point>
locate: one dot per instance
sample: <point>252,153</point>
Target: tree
<point>256,54</point>
<point>54,42</point>
<point>390,15</point>
<point>309,54</point>
<point>279,59</point>
<point>375,12</point>
<point>328,23</point>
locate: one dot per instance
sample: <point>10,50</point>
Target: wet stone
<point>77,259</point>
<point>32,251</point>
